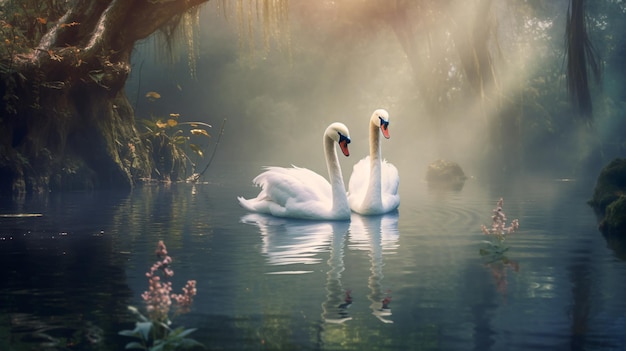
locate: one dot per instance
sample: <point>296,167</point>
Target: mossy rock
<point>443,173</point>
<point>609,198</point>
<point>614,222</point>
<point>611,184</point>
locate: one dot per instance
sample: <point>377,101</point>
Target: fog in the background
<point>278,102</point>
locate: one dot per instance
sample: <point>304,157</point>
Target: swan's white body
<point>373,186</point>
<point>301,193</point>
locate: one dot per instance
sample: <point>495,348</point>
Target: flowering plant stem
<point>154,332</point>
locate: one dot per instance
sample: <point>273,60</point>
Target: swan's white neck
<point>373,195</point>
<point>340,199</point>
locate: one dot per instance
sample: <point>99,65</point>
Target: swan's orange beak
<point>343,144</point>
<point>384,127</point>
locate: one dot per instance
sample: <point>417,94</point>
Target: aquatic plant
<point>154,331</point>
<point>494,253</point>
<point>171,144</point>
<point>498,231</point>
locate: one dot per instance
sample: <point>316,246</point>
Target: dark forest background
<point>502,87</point>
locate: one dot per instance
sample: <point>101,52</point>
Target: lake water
<point>411,280</point>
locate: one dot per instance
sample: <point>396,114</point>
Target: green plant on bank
<point>171,142</point>
<point>153,331</point>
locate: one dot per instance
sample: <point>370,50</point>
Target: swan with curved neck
<point>373,186</point>
<point>301,193</point>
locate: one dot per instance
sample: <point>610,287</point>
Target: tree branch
<point>109,24</point>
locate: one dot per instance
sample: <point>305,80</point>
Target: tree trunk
<point>67,123</point>
<point>581,57</point>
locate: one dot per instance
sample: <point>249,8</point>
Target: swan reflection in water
<point>294,241</point>
<point>379,236</point>
<point>288,242</point>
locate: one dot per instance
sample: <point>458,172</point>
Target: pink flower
<point>498,225</point>
<point>158,297</point>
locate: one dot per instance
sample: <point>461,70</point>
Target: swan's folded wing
<point>280,185</point>
<point>390,181</point>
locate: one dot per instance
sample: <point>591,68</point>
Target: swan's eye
<point>383,124</point>
<point>343,138</point>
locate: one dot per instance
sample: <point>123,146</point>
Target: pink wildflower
<point>498,224</point>
<point>161,249</point>
<point>158,297</point>
<point>185,300</point>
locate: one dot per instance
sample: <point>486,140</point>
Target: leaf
<point>71,24</point>
<point>195,148</point>
<point>134,345</point>
<point>134,309</point>
<point>147,122</point>
<point>55,56</point>
<point>188,343</point>
<point>186,332</point>
<point>130,333</point>
<point>196,124</point>
<point>200,132</point>
<point>153,95</point>
<point>96,75</point>
<point>144,328</point>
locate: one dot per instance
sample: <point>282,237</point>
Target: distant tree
<point>581,58</point>
<point>471,59</point>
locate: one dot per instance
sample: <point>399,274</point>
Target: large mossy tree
<point>66,120</point>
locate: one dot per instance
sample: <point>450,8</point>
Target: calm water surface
<point>411,280</point>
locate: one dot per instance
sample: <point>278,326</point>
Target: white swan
<point>301,193</point>
<point>373,186</point>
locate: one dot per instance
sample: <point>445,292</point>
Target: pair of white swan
<point>301,193</point>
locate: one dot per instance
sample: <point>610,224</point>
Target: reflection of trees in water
<point>64,284</point>
<point>580,272</point>
<point>162,212</point>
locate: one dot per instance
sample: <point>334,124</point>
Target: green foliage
<point>609,198</point>
<point>171,142</point>
<point>158,336</point>
<point>614,222</point>
<point>611,184</point>
<point>154,332</point>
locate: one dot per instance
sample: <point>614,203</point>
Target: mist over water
<point>278,102</point>
<point>267,281</point>
<point>277,108</point>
